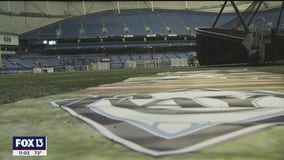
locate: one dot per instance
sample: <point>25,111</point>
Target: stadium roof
<point>21,16</point>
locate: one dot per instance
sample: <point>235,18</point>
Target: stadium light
<point>52,42</point>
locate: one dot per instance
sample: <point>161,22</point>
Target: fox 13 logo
<point>29,146</point>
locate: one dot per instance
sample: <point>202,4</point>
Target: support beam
<point>84,8</point>
<point>75,7</point>
<point>221,11</point>
<point>279,18</point>
<point>1,64</point>
<point>186,6</point>
<point>91,7</point>
<point>240,16</point>
<point>47,6</point>
<point>68,8</point>
<point>118,8</point>
<point>152,6</point>
<point>33,4</point>
<point>25,7</point>
<point>9,7</point>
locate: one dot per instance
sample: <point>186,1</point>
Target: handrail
<point>262,31</point>
<point>198,29</point>
<point>260,42</point>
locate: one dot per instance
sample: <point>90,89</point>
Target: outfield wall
<point>152,63</point>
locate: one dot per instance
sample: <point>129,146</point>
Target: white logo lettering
<point>39,142</point>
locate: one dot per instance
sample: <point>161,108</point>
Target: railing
<point>215,34</point>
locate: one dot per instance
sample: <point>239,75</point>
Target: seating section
<point>93,25</point>
<point>115,58</point>
<point>125,58</point>
<point>190,21</point>
<point>225,18</point>
<point>204,19</point>
<point>27,62</point>
<point>171,21</point>
<point>155,23</point>
<point>171,55</point>
<point>114,24</point>
<point>70,28</point>
<point>133,22</point>
<point>110,23</point>
<point>182,55</point>
<point>161,21</point>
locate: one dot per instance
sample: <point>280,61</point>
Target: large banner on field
<point>9,39</point>
<point>177,122</point>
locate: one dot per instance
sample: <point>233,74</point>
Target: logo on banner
<point>177,122</point>
<point>30,146</point>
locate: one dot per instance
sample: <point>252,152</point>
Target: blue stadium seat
<point>115,58</point>
<point>135,57</point>
<point>71,28</point>
<point>125,57</point>
<point>134,22</point>
<point>206,19</point>
<point>171,55</point>
<point>225,18</point>
<point>182,55</point>
<point>93,25</point>
<point>155,23</point>
<point>113,24</point>
<point>173,22</point>
<point>189,19</point>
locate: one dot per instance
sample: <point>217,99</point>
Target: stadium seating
<point>125,58</point>
<point>171,20</point>
<point>160,21</point>
<point>115,58</point>
<point>171,55</point>
<point>70,28</point>
<point>182,55</point>
<point>28,61</point>
<point>110,23</point>
<point>135,24</point>
<point>206,19</point>
<point>93,25</point>
<point>114,24</point>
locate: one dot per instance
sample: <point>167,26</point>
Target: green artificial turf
<point>71,139</point>
<point>19,87</point>
<point>25,111</point>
